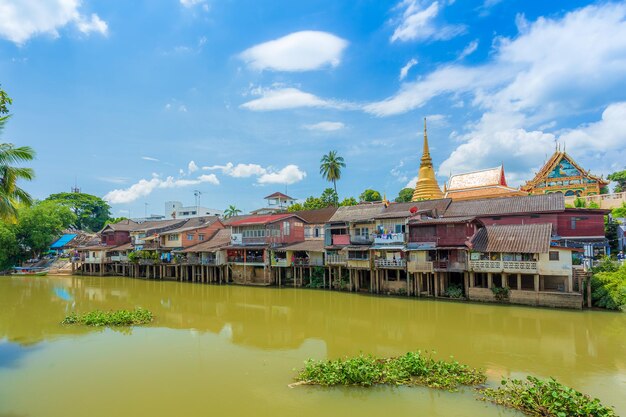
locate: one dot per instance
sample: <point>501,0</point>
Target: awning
<point>337,226</point>
<point>356,248</point>
<point>388,247</point>
<point>245,247</point>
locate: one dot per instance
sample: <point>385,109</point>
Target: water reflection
<point>503,339</point>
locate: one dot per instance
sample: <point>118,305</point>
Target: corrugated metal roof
<point>515,238</point>
<point>263,219</point>
<point>219,240</point>
<point>317,216</point>
<point>307,245</point>
<point>442,220</point>
<point>508,205</point>
<point>360,212</point>
<point>62,241</point>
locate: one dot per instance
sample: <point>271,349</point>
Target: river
<point>232,351</point>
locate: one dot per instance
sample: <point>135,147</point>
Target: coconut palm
<point>12,196</point>
<point>330,168</point>
<point>231,211</point>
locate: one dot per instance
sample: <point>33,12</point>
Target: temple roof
<point>474,179</point>
<point>552,163</point>
<point>491,191</point>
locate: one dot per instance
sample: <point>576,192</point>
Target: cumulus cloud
<point>418,23</point>
<point>404,71</point>
<point>281,98</point>
<point>298,51</point>
<point>145,187</point>
<point>287,175</point>
<point>21,20</point>
<point>192,167</point>
<point>325,126</point>
<point>553,67</point>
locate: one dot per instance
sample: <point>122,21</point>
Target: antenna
<point>197,194</point>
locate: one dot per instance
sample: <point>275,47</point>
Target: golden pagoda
<point>426,187</point>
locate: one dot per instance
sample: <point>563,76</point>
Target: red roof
<point>279,195</point>
<point>269,218</point>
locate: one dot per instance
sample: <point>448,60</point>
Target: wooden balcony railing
<point>335,259</point>
<point>415,266</point>
<point>503,266</point>
<point>390,263</point>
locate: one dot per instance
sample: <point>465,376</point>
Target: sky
<point>147,101</point>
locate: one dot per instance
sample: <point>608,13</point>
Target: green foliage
<point>620,178</point>
<point>317,277</point>
<point>231,211</point>
<point>110,318</point>
<point>580,202</point>
<point>608,287</point>
<point>5,101</point>
<point>606,264</point>
<point>327,199</point>
<point>115,220</point>
<point>330,169</point>
<point>370,195</point>
<point>349,201</point>
<point>536,397</point>
<point>11,195</point>
<point>619,212</point>
<point>611,232</point>
<point>413,368</point>
<point>501,293</point>
<point>91,212</point>
<point>454,291</point>
<point>41,224</point>
<point>404,196</point>
<point>9,248</point>
<point>136,256</point>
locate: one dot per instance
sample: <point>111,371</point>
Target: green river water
<point>232,351</point>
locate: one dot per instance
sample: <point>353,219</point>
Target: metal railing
<point>361,239</point>
<point>335,259</point>
<point>390,263</point>
<point>388,238</point>
<point>308,262</point>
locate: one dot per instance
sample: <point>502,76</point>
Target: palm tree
<point>330,168</point>
<point>12,196</point>
<point>231,211</point>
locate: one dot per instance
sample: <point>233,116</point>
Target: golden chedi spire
<point>426,187</point>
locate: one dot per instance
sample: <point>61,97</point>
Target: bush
<point>501,293</point>
<point>413,368</point>
<point>608,289</point>
<point>454,291</point>
<point>536,397</point>
<point>317,278</point>
<point>110,318</point>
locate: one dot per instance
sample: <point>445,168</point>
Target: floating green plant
<point>110,318</point>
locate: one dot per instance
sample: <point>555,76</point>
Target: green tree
<point>9,247</point>
<point>619,211</point>
<point>40,224</point>
<point>115,220</point>
<point>295,207</point>
<point>11,195</point>
<point>370,195</point>
<point>330,168</point>
<point>404,196</point>
<point>609,288</point>
<point>610,231</point>
<point>91,212</point>
<point>329,197</point>
<point>231,211</point>
<point>349,201</point>
<point>620,178</point>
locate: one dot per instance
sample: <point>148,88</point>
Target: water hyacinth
<point>413,368</point>
<point>549,398</point>
<point>111,318</point>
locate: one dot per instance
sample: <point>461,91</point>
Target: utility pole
<point>197,195</point>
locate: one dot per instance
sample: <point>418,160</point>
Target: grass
<point>549,398</point>
<point>413,368</point>
<point>111,318</point>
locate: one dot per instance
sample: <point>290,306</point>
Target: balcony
<point>258,260</point>
<point>341,239</point>
<point>279,262</point>
<point>362,240</point>
<point>415,266</point>
<point>450,266</point>
<point>390,263</point>
<point>523,267</point>
<point>308,262</point>
<point>335,259</point>
<point>389,239</point>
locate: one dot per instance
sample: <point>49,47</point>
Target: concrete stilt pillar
<point>519,281</point>
<point>489,280</point>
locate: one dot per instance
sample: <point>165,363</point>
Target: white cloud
<point>114,180</point>
<point>192,167</point>
<point>145,187</point>
<point>469,49</point>
<point>404,71</point>
<point>149,158</point>
<point>21,20</point>
<point>298,51</point>
<point>288,175</point>
<point>325,126</point>
<point>282,98</point>
<point>191,3</point>
<point>418,23</point>
<point>553,67</point>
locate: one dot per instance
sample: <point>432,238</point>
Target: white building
<point>176,210</point>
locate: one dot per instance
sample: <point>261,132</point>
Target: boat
<point>29,271</point>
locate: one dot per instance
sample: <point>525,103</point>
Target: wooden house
<point>115,234</point>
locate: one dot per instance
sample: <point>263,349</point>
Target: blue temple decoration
<point>564,169</point>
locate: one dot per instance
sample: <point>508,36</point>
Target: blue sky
<point>146,101</point>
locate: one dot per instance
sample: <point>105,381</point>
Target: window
<point>200,237</point>
<point>358,255</point>
<point>399,228</point>
<point>496,218</point>
<point>554,255</point>
<point>573,224</point>
<point>286,230</point>
<point>189,236</point>
<point>534,216</point>
<point>172,238</point>
<point>362,231</point>
<point>317,232</point>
